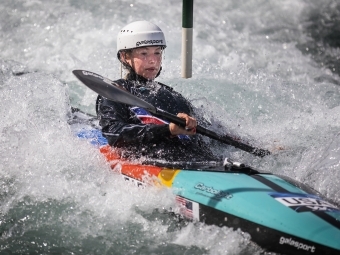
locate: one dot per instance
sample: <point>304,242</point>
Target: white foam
<point>248,73</point>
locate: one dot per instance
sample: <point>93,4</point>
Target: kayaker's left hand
<point>190,126</point>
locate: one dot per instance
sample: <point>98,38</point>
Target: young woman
<point>140,46</point>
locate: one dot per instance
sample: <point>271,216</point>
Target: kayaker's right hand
<point>190,126</point>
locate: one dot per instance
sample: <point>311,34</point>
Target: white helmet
<point>140,34</point>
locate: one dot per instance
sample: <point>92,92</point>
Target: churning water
<point>267,71</point>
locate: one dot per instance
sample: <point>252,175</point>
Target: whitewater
<point>266,71</point>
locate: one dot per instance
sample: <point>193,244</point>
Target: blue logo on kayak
<point>95,136</point>
<point>304,202</point>
<point>218,194</point>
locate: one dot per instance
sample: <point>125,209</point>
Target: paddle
<point>114,92</point>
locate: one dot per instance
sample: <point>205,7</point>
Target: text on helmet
<point>149,42</point>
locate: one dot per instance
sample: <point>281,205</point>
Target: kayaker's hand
<point>190,126</point>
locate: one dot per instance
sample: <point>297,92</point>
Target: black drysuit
<point>124,129</point>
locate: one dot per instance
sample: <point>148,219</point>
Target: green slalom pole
<point>187,29</point>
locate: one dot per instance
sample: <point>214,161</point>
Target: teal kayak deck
<point>248,198</point>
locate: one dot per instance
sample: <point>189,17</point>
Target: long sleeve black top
<point>125,127</point>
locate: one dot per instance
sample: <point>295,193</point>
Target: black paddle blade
<point>107,88</point>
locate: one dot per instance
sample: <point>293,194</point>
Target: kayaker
<point>140,47</point>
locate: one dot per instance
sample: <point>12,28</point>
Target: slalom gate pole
<point>187,31</point>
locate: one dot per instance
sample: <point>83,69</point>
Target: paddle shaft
<point>224,139</point>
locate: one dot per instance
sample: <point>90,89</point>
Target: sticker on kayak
<point>304,203</point>
<point>189,209</point>
<point>211,192</point>
<point>134,181</point>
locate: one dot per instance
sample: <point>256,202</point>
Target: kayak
<point>281,214</point>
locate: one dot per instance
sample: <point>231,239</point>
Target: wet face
<point>146,61</point>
